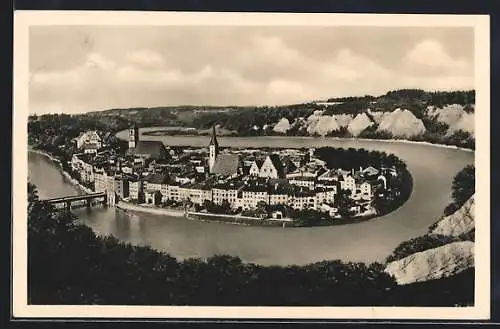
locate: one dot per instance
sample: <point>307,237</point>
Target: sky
<point>77,69</point>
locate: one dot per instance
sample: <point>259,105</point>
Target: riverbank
<point>197,216</point>
<point>234,219</point>
<point>145,132</point>
<point>127,206</point>
<point>66,175</point>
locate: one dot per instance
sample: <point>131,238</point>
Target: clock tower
<point>133,136</point>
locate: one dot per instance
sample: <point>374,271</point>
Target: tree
<point>69,264</point>
<point>157,198</point>
<point>344,203</point>
<point>463,186</point>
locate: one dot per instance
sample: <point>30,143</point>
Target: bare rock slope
<point>443,261</point>
<point>436,263</point>
<point>454,116</point>
<point>282,126</point>
<point>458,223</point>
<point>359,123</point>
<point>401,123</point>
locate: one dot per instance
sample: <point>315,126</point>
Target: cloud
<point>431,54</point>
<point>245,67</point>
<point>145,58</point>
<point>285,87</point>
<point>98,61</point>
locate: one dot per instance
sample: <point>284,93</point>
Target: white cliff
<point>282,126</point>
<point>458,223</point>
<point>401,123</point>
<point>322,125</point>
<point>359,123</point>
<point>454,116</point>
<point>431,264</point>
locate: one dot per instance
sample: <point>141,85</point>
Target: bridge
<point>79,201</point>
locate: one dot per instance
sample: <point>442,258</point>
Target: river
<point>432,169</point>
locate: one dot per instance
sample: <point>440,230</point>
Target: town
<point>254,183</point>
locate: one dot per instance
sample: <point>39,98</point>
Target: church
<point>227,165</point>
<point>154,150</point>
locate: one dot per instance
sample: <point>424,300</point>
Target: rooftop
<point>226,164</point>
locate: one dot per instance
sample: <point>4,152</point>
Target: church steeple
<point>133,136</point>
<point>213,150</point>
<point>213,140</point>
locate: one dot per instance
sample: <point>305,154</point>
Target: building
<point>173,192</point>
<point>213,151</point>
<point>133,136</point>
<point>89,137</point>
<point>122,187</point>
<point>272,167</point>
<point>251,195</point>
<point>303,199</point>
<point>227,165</point>
<point>229,192</point>
<point>347,182</point>
<point>325,195</point>
<point>90,148</point>
<point>154,150</point>
<point>303,181</point>
<point>255,167</point>
<point>153,188</point>
<point>136,186</point>
<point>80,163</point>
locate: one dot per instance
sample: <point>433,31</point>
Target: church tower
<point>133,136</point>
<point>213,150</point>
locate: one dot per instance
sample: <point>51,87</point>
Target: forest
<point>52,130</point>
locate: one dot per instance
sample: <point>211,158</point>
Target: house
<point>153,182</point>
<point>347,182</point>
<point>173,192</point>
<point>366,189</point>
<point>104,181</point>
<point>332,211</point>
<point>227,192</point>
<point>370,172</point>
<point>251,195</point>
<point>80,163</point>
<point>272,167</point>
<point>90,148</point>
<point>303,181</point>
<point>89,137</point>
<point>303,199</point>
<point>329,176</point>
<point>136,186</point>
<point>279,194</point>
<point>255,167</point>
<point>185,179</point>
<point>325,195</point>
<point>154,150</point>
<point>121,187</point>
<point>195,193</point>
<point>153,187</point>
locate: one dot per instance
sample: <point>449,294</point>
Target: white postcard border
<point>24,19</point>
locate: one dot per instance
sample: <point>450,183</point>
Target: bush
<point>69,264</point>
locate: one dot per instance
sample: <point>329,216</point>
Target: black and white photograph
<point>251,165</point>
